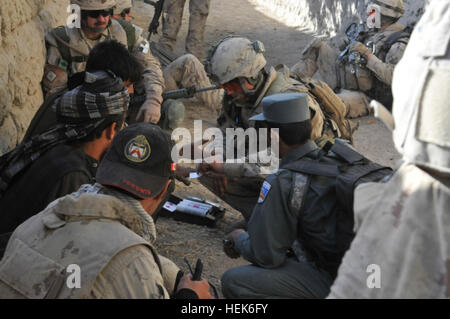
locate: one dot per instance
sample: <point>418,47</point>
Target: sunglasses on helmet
<point>126,11</point>
<point>96,13</point>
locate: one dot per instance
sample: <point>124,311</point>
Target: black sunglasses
<point>126,11</point>
<point>96,13</point>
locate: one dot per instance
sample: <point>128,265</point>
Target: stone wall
<point>327,17</point>
<point>22,57</point>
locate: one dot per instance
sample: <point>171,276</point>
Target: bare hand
<point>201,287</point>
<point>183,171</point>
<point>220,182</point>
<point>211,167</point>
<point>232,237</point>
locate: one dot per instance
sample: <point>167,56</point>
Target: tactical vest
<point>68,56</point>
<point>39,252</point>
<point>383,42</point>
<point>363,79</point>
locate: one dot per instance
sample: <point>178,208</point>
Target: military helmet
<point>90,5</point>
<point>235,57</point>
<point>122,5</point>
<point>390,8</point>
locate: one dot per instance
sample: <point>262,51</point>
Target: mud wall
<point>328,17</point>
<point>22,56</point>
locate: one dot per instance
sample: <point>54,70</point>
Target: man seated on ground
<point>62,158</point>
<point>401,249</point>
<point>106,229</point>
<point>293,232</point>
<point>182,72</point>
<point>365,71</point>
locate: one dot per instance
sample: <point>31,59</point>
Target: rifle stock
<point>154,24</point>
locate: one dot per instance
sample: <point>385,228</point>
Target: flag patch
<point>264,191</point>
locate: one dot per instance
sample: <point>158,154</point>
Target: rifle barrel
<point>209,88</point>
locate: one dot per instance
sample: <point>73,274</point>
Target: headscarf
<point>79,112</point>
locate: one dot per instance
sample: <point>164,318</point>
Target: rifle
<point>355,32</point>
<point>184,93</point>
<point>153,27</point>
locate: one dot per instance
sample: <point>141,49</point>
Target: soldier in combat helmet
<point>368,75</point>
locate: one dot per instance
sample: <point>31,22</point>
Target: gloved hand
<point>150,111</point>
<point>361,48</point>
<point>341,42</point>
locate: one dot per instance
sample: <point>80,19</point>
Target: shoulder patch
<point>264,191</point>
<point>138,149</point>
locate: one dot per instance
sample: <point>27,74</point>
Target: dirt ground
<point>177,240</point>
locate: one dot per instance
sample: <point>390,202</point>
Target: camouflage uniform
<point>183,72</point>
<point>372,81</point>
<point>80,46</point>
<point>403,225</point>
<point>173,13</point>
<point>186,71</point>
<point>109,236</point>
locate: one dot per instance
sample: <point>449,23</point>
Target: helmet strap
<point>256,82</point>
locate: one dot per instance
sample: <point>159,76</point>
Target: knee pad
<point>173,114</point>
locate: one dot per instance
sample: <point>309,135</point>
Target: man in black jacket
<point>59,160</point>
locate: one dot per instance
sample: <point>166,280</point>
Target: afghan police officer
<point>401,249</point>
<point>183,72</point>
<point>365,72</point>
<point>68,48</point>
<point>238,65</point>
<point>172,18</point>
<point>104,232</point>
<point>287,218</point>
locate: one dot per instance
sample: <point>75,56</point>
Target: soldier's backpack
<point>343,169</point>
<point>333,107</point>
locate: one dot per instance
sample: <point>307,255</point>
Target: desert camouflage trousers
<point>172,18</point>
<point>322,58</point>
<point>186,71</point>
